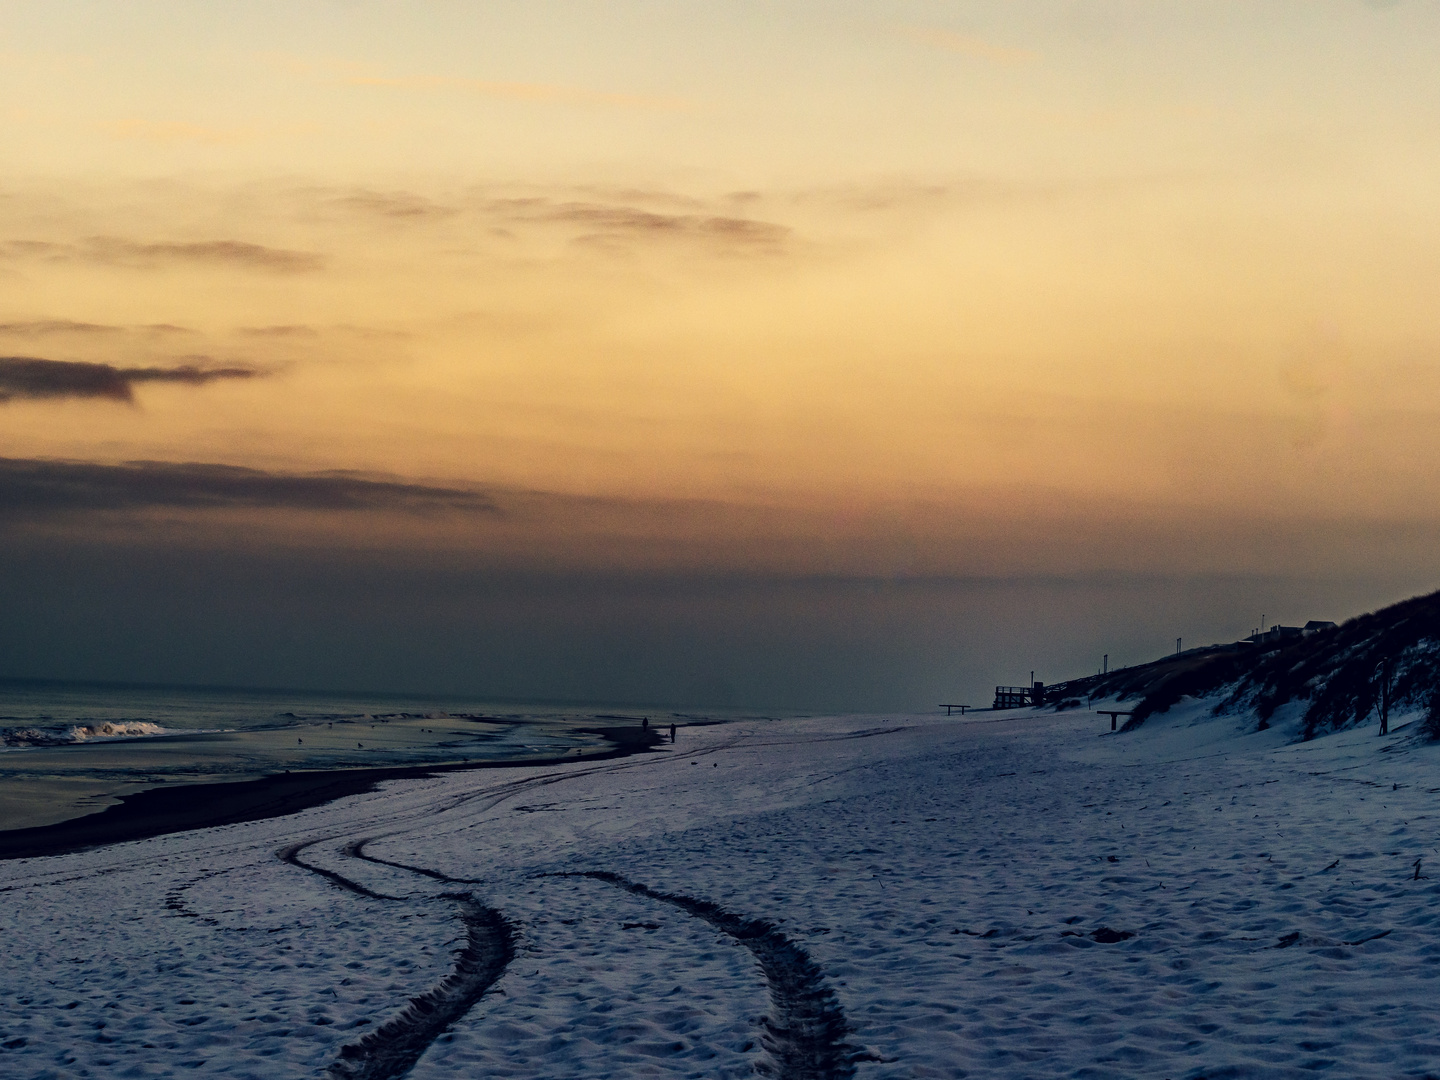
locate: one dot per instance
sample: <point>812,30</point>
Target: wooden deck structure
<point>1019,697</point>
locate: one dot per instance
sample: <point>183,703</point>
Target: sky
<point>771,355</point>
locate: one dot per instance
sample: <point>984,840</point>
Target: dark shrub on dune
<point>1341,673</point>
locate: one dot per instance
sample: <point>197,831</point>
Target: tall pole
<point>1106,670</point>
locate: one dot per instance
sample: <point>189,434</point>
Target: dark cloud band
<point>31,486</point>
<point>625,219</point>
<point>120,251</point>
<point>237,253</point>
<point>38,327</point>
<point>28,377</point>
<point>48,327</point>
<point>615,220</point>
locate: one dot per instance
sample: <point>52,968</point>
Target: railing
<point>1017,697</point>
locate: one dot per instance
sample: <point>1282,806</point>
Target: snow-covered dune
<point>1327,678</point>
<point>1016,896</point>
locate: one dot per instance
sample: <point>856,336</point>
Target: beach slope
<point>1010,896</point>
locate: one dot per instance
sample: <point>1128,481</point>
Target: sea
<point>70,749</point>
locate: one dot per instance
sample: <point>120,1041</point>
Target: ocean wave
<point>71,734</point>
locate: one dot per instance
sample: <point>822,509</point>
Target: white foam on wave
<point>114,729</point>
<point>69,735</point>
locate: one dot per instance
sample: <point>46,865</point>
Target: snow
<point>946,877</point>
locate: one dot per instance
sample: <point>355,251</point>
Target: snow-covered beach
<point>1010,895</point>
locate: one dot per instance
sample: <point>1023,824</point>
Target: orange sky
<point>943,289</point>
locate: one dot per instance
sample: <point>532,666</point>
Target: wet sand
<point>181,807</point>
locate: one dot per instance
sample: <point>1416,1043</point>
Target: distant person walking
<point>672,732</point>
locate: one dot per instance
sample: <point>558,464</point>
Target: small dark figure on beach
<point>645,724</point>
<point>300,742</point>
<point>672,732</point>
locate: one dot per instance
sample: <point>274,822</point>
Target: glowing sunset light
<point>756,300</point>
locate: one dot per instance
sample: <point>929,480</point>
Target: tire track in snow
<point>392,1049</point>
<point>291,855</point>
<point>356,850</point>
<point>807,1037</point>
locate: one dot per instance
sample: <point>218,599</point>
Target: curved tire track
<point>392,1049</point>
<point>356,850</point>
<point>807,1037</point>
<point>291,855</point>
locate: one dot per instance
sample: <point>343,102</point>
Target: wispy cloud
<point>29,249</point>
<point>397,205</point>
<point>74,327</point>
<point>604,220</point>
<point>535,93</point>
<point>32,378</point>
<point>238,253</point>
<point>46,327</point>
<point>283,330</point>
<point>120,251</point>
<point>923,195</point>
<point>176,131</point>
<point>30,485</point>
<point>969,45</point>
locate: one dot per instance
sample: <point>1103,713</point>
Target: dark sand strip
<point>182,807</point>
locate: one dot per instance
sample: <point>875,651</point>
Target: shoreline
<point>165,809</point>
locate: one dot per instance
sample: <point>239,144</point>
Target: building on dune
<point>1279,635</point>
